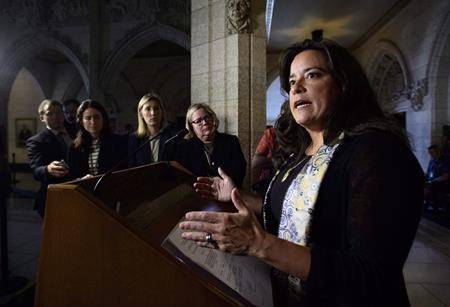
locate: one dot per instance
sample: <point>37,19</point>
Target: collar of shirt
<point>63,133</point>
<point>55,132</point>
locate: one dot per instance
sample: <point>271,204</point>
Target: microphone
<point>166,149</point>
<point>179,134</point>
<point>115,167</point>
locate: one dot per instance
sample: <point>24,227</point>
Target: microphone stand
<point>115,167</point>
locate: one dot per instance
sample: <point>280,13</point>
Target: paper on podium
<point>246,275</point>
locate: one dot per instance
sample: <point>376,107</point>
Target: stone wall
<point>419,32</point>
<point>228,69</point>
<point>25,88</point>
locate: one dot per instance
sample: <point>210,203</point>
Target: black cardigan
<point>113,148</point>
<point>227,154</point>
<point>364,224</point>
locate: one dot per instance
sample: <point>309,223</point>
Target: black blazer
<point>43,149</point>
<point>227,154</point>
<point>71,129</point>
<point>112,150</point>
<point>144,155</point>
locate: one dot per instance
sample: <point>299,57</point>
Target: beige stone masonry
<point>228,71</point>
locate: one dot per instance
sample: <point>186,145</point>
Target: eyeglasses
<point>207,118</point>
<point>92,117</point>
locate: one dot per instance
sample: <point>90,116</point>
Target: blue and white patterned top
<point>301,196</point>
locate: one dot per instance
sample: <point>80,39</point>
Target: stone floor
<point>24,230</point>
<point>427,271</point>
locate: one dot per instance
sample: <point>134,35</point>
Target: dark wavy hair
<point>355,111</point>
<point>84,139</point>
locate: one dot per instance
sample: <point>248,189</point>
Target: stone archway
<point>73,89</point>
<point>181,96</point>
<point>16,57</point>
<point>438,75</point>
<point>389,76</point>
<point>133,43</point>
<point>170,72</point>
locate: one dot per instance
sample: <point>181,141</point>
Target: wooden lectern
<point>106,249</point>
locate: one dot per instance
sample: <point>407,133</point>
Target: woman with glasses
<point>151,124</point>
<point>206,149</point>
<point>95,150</point>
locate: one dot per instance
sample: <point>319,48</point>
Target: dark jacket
<point>144,156</point>
<point>227,154</point>
<point>43,149</point>
<point>71,128</point>
<point>364,223</point>
<point>112,150</point>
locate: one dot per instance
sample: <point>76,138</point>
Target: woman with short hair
<point>206,149</point>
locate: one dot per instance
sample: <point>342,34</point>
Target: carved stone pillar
<point>95,47</point>
<point>228,65</point>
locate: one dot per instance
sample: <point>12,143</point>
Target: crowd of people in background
<point>87,146</point>
<point>78,142</point>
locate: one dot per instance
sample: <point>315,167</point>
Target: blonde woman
<point>151,121</point>
<point>206,149</point>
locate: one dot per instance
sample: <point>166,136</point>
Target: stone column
<point>95,47</point>
<point>228,66</point>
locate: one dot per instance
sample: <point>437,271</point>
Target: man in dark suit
<point>70,107</point>
<point>47,149</point>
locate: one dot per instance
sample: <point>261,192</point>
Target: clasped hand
<point>57,169</point>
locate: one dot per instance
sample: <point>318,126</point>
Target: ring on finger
<point>208,238</point>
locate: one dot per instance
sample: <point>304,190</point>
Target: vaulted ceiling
<point>349,22</point>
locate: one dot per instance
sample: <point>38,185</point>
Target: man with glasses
<point>47,150</point>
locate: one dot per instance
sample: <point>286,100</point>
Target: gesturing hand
<point>237,233</point>
<point>216,188</point>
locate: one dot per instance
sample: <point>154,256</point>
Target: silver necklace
<point>286,175</point>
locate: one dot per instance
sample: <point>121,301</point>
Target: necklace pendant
<point>285,175</point>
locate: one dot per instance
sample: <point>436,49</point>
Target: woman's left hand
<point>237,233</point>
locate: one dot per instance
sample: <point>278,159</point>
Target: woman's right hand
<point>215,188</point>
<point>237,232</point>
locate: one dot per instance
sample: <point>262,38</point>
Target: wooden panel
<point>91,257</point>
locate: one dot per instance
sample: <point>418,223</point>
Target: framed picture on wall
<point>25,128</point>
